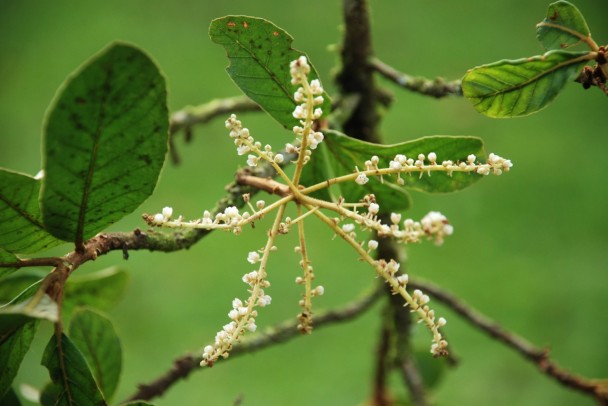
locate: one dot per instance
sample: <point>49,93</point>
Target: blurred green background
<point>529,248</point>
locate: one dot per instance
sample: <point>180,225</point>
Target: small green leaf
<point>348,153</point>
<point>100,290</point>
<point>105,143</point>
<point>73,384</point>
<point>520,87</point>
<point>94,335</point>
<point>7,258</point>
<point>13,316</point>
<point>12,351</point>
<point>563,27</point>
<point>259,54</point>
<point>20,218</point>
<point>432,370</point>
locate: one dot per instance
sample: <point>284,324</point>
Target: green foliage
<point>259,54</point>
<point>20,218</point>
<point>563,27</point>
<point>16,314</point>
<point>94,335</point>
<point>105,143</point>
<point>100,290</point>
<point>72,381</point>
<point>13,348</point>
<point>512,88</point>
<point>13,285</point>
<point>7,258</point>
<point>10,399</point>
<point>346,153</point>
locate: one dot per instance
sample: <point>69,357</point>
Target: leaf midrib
<point>92,161</point>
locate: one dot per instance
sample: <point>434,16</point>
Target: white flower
<point>252,160</point>
<point>372,244</point>
<point>373,208</point>
<point>348,228</point>
<point>361,179</point>
<point>278,158</point>
<point>159,218</point>
<point>167,212</point>
<point>253,257</point>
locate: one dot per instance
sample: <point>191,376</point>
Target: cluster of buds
<point>245,143</point>
<point>309,95</point>
<point>417,301</point>
<point>495,165</point>
<point>433,225</point>
<point>231,219</point>
<point>242,315</point>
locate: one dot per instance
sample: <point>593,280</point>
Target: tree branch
<point>282,332</point>
<point>188,117</point>
<point>437,87</point>
<point>536,355</point>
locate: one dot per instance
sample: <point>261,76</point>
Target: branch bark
<point>437,87</point>
<point>283,332</point>
<point>538,356</point>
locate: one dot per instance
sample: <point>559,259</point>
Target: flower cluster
<point>245,143</point>
<point>422,164</point>
<point>309,95</point>
<point>242,315</point>
<point>417,301</point>
<point>432,226</point>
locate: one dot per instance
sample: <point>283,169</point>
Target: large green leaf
<point>21,228</point>
<point>105,143</point>
<point>100,290</point>
<point>72,381</point>
<point>12,350</point>
<point>563,27</point>
<point>519,87</point>
<point>94,335</point>
<point>346,153</point>
<point>17,313</point>
<point>259,54</point>
<point>7,258</point>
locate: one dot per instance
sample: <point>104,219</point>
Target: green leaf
<point>73,383</point>
<point>520,87</point>
<point>348,153</point>
<point>259,54</point>
<point>432,370</point>
<point>94,335</point>
<point>100,290</point>
<point>20,218</point>
<point>105,143</point>
<point>563,27</point>
<point>7,258</point>
<point>10,398</point>
<point>12,351</point>
<point>13,316</point>
<point>16,283</point>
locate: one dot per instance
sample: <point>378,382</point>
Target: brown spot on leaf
<point>275,33</point>
<point>245,24</point>
<point>231,24</point>
<point>554,16</point>
<point>80,100</point>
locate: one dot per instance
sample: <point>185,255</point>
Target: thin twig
<point>536,355</point>
<point>280,333</point>
<point>437,88</point>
